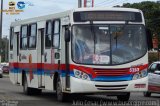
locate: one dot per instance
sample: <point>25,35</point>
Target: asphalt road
<point>11,95</point>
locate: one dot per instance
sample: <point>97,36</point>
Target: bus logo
<point>21,5</point>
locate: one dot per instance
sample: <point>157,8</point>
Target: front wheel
<point>30,91</point>
<point>1,76</point>
<point>26,89</point>
<point>123,97</point>
<point>147,94</point>
<point>61,96</point>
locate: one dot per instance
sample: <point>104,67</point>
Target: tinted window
<point>158,67</point>
<point>48,38</point>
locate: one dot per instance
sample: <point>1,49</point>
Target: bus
<point>81,51</point>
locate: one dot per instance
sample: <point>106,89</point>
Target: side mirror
<point>157,72</point>
<point>149,39</point>
<point>67,35</point>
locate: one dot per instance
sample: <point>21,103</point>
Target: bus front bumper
<point>84,86</point>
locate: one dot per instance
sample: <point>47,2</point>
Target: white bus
<point>91,50</point>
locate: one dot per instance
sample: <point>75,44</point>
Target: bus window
<point>56,34</point>
<point>48,34</point>
<point>11,38</point>
<point>23,43</point>
<point>32,36</point>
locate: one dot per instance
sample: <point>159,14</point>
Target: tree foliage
<point>4,49</point>
<point>151,11</point>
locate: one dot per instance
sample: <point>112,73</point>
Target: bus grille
<point>111,87</point>
<point>117,72</point>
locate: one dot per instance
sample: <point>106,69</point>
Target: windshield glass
<point>107,44</point>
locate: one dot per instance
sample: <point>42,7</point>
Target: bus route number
<point>134,69</point>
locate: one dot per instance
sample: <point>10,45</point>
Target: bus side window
<point>56,33</point>
<point>48,34</point>
<point>24,33</point>
<point>32,36</point>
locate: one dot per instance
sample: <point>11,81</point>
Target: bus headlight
<point>81,75</point>
<point>139,75</point>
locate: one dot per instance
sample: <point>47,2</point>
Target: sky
<point>34,8</point>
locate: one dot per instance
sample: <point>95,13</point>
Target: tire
<point>30,91</point>
<point>37,91</point>
<point>1,76</point>
<point>123,97</point>
<point>26,89</point>
<point>61,96</point>
<point>147,94</point>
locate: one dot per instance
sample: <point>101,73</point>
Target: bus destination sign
<point>107,16</point>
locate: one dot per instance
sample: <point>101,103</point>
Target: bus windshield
<point>108,44</point>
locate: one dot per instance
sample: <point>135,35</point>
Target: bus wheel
<point>36,91</point>
<point>26,89</point>
<point>147,94</point>
<point>123,97</point>
<point>1,76</point>
<point>61,96</point>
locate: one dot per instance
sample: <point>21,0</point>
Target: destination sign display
<point>107,16</point>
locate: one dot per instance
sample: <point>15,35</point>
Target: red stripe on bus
<point>93,71</point>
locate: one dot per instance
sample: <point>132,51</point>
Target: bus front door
<point>67,74</point>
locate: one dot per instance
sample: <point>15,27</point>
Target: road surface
<point>12,95</point>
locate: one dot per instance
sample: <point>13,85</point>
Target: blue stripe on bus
<point>114,78</point>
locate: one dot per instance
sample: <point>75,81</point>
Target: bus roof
<point>108,9</point>
<point>67,13</point>
<point>41,18</point>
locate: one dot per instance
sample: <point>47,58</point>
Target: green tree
<point>4,49</point>
<point>151,12</point>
